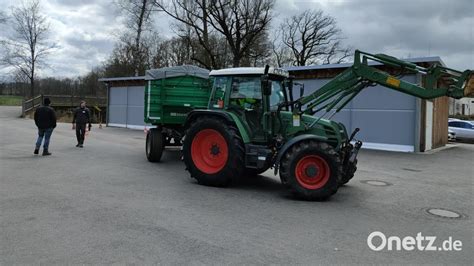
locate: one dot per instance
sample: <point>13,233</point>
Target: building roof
<point>430,59</point>
<point>248,71</point>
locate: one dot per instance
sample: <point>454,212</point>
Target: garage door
<point>126,107</point>
<point>387,118</point>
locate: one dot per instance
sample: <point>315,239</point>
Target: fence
<point>62,101</point>
<point>31,104</point>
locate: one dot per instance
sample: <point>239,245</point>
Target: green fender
<point>230,117</point>
<point>292,142</point>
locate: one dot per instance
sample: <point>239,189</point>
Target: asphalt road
<point>106,204</point>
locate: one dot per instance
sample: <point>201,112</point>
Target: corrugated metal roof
<point>429,59</point>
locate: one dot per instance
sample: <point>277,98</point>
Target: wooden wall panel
<point>440,122</point>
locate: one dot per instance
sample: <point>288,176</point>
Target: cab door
<point>247,102</point>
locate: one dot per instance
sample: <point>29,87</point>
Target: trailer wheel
<point>213,152</point>
<point>310,170</point>
<point>348,173</point>
<point>154,145</point>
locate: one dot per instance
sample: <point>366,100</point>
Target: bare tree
<point>313,38</point>
<point>172,52</point>
<point>3,17</point>
<point>281,54</point>
<point>139,20</point>
<point>192,23</point>
<point>3,20</point>
<point>120,62</point>
<point>29,46</point>
<point>241,22</point>
<point>259,53</point>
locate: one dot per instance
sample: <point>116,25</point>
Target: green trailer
<point>170,94</point>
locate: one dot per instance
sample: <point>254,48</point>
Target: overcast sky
<point>86,30</point>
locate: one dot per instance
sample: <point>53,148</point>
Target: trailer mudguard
<point>227,116</point>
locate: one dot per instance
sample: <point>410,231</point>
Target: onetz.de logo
<point>378,241</point>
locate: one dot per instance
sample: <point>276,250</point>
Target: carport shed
<point>389,120</point>
<point>125,101</point>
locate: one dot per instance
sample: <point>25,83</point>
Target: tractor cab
<point>250,94</point>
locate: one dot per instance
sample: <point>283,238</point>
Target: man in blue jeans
<point>45,120</point>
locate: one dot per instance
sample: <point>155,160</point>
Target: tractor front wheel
<point>348,173</point>
<point>154,145</point>
<point>213,152</point>
<point>310,170</point>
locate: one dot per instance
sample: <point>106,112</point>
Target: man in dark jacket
<point>82,116</point>
<point>45,120</point>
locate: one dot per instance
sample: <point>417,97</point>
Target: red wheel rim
<point>209,151</point>
<point>312,172</point>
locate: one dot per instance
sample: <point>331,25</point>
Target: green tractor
<point>252,123</point>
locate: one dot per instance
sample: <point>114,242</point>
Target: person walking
<point>45,120</point>
<point>82,116</point>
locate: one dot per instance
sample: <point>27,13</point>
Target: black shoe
<point>46,153</point>
<point>36,151</point>
<point>81,146</point>
<point>77,145</point>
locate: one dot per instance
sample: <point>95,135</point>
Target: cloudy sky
<point>86,30</point>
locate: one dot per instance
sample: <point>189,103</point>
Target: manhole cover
<point>376,183</point>
<point>444,213</point>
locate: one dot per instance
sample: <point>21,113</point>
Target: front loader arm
<point>343,88</point>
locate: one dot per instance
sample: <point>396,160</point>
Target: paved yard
<point>105,203</point>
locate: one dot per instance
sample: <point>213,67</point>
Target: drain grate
<point>444,213</point>
<point>376,183</point>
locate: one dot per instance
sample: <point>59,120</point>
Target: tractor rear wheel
<point>154,145</point>
<point>310,170</point>
<point>213,152</point>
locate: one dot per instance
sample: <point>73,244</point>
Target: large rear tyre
<point>213,152</point>
<point>310,170</point>
<point>154,145</point>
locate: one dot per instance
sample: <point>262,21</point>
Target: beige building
<point>464,106</point>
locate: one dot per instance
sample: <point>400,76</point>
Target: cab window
<point>277,95</point>
<point>218,93</point>
<point>246,92</point>
<point>246,87</point>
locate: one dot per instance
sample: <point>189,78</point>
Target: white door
<point>429,126</point>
